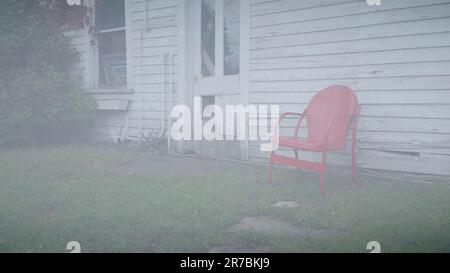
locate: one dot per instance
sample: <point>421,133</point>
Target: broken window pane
<point>112,59</point>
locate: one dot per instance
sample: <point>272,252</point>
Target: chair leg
<point>323,174</point>
<point>354,180</point>
<point>355,126</point>
<point>271,167</point>
<point>353,168</point>
<point>322,183</point>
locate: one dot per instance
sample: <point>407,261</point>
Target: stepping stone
<point>267,225</point>
<point>271,226</point>
<point>285,204</point>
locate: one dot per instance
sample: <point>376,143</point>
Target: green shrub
<point>39,100</point>
<point>31,103</point>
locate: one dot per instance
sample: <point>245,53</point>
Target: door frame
<point>187,69</point>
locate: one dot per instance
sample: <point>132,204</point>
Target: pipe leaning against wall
<point>140,81</point>
<point>139,84</point>
<point>163,95</point>
<point>171,82</point>
<point>163,82</point>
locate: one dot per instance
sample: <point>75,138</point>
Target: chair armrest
<point>301,117</point>
<point>284,115</point>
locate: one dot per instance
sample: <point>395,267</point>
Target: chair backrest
<point>333,107</point>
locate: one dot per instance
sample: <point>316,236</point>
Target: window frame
<point>93,67</point>
<point>219,63</point>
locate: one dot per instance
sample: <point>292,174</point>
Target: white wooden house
<point>151,54</point>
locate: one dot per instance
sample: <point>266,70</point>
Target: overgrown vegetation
<point>39,100</point>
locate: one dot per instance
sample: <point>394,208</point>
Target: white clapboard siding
<point>356,20</point>
<point>161,39</point>
<point>395,56</point>
<point>355,59</point>
<point>392,83</point>
<point>398,43</point>
<point>363,32</point>
<point>343,8</point>
<point>396,97</point>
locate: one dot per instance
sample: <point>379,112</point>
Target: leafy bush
<point>38,98</point>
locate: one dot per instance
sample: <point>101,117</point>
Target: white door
<point>220,56</point>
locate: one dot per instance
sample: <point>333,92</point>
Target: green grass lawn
<point>52,195</point>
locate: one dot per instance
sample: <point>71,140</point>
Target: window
<point>220,21</point>
<point>231,36</point>
<point>208,37</point>
<point>112,60</point>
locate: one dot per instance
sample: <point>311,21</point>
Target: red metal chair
<point>329,115</point>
